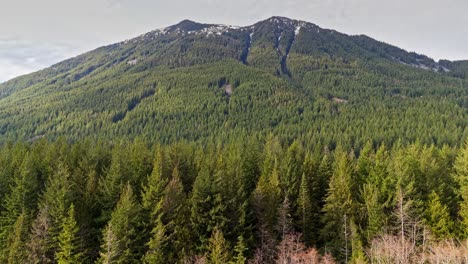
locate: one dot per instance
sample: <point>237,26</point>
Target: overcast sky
<point>37,33</point>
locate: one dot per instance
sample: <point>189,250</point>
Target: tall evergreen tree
<point>207,209</point>
<point>69,251</point>
<point>267,198</point>
<point>461,176</point>
<point>121,238</point>
<point>57,197</point>
<point>156,182</point>
<point>305,211</point>
<point>373,208</point>
<point>157,247</point>
<point>17,241</point>
<point>21,199</point>
<point>218,249</point>
<point>438,218</point>
<point>339,206</point>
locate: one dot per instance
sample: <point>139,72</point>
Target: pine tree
<point>373,211</point>
<point>267,198</point>
<point>358,255</point>
<point>218,249</point>
<point>111,185</point>
<point>338,208</point>
<point>157,246</point>
<point>121,243</point>
<point>206,206</point>
<point>16,241</point>
<point>438,218</point>
<point>305,211</point>
<point>69,244</point>
<point>153,191</point>
<point>291,173</point>
<point>21,199</point>
<point>461,176</point>
<point>57,198</point>
<point>240,250</point>
<point>175,211</point>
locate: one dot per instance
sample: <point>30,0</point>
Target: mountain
<point>204,81</point>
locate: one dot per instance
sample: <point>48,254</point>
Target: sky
<point>36,34</point>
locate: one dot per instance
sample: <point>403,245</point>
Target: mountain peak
<point>188,25</point>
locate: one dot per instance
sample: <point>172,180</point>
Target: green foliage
<point>438,218</point>
<point>461,176</point>
<point>317,86</point>
<point>305,210</point>
<point>69,251</point>
<point>218,249</point>
<point>339,205</point>
<point>121,240</point>
<point>16,241</point>
<point>199,201</point>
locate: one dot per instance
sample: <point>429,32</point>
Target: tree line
<point>249,201</point>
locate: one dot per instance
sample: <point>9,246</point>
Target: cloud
<point>18,56</point>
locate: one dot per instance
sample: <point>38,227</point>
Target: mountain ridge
<point>171,84</point>
<point>191,26</point>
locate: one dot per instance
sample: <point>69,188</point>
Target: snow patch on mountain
<point>298,29</point>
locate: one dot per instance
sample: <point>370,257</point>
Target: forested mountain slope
<point>280,142</point>
<point>288,77</point>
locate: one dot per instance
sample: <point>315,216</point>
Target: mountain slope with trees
<point>291,78</point>
<point>280,142</point>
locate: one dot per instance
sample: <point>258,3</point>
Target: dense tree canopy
<point>164,217</point>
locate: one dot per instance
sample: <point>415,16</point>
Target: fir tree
<point>240,250</point>
<point>69,244</point>
<point>17,241</point>
<point>461,176</point>
<point>21,199</point>
<point>153,191</point>
<point>438,218</point>
<point>157,246</point>
<point>305,211</point>
<point>121,243</point>
<point>218,249</point>
<point>338,208</point>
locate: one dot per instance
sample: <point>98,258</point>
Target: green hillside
<point>280,142</point>
<point>288,77</point>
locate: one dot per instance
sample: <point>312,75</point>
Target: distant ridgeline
<point>204,82</point>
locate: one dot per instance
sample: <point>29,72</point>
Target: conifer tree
<point>438,218</point>
<point>305,211</point>
<point>114,180</point>
<point>69,244</point>
<point>218,249</point>
<point>153,191</point>
<point>267,198</point>
<point>461,176</point>
<point>17,241</point>
<point>206,206</point>
<point>240,250</point>
<point>373,211</point>
<point>21,199</point>
<point>57,198</point>
<point>121,238</point>
<point>291,173</point>
<point>157,246</point>
<point>175,212</point>
<point>339,204</point>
